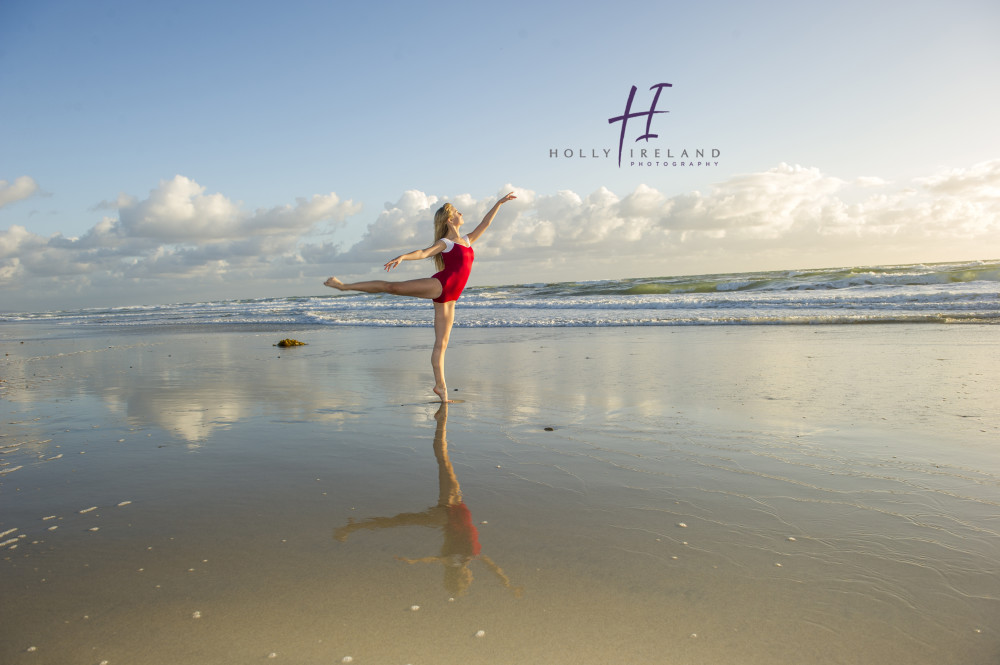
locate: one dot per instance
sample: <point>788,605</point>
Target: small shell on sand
<point>196,615</point>
<point>480,633</point>
<point>682,525</point>
<point>414,608</point>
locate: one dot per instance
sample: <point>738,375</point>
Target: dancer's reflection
<point>461,539</point>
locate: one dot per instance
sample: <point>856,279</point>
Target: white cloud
<point>20,189</point>
<point>12,240</point>
<point>785,217</point>
<point>982,181</point>
<point>397,226</point>
<point>179,211</point>
<point>178,231</point>
<point>793,214</point>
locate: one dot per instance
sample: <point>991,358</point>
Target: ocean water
<point>967,292</point>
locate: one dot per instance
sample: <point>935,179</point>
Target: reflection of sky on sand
<point>936,380</point>
<point>194,385</point>
<point>192,414</point>
<point>190,386</point>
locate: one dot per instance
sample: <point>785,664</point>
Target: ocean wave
<point>794,280</point>
<point>938,293</point>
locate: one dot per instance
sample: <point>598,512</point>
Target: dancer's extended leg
<point>426,287</point>
<point>444,316</point>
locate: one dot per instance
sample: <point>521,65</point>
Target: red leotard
<point>460,536</point>
<point>457,265</point>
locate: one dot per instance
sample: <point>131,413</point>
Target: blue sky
<point>183,151</point>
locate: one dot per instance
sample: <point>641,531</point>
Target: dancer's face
<point>457,220</point>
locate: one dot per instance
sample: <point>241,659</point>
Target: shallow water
<point>700,496</point>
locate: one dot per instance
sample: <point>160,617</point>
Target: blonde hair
<point>441,217</point>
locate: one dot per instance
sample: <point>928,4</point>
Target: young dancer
<point>453,256</point>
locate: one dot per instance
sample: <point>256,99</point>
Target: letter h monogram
<point>649,116</point>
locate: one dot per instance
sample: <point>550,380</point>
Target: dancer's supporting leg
<point>444,316</point>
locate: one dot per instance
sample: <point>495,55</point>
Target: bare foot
<point>334,283</point>
<point>442,392</point>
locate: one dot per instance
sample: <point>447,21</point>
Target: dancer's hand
<point>488,219</point>
<point>392,264</point>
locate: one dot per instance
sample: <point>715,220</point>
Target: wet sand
<point>636,495</point>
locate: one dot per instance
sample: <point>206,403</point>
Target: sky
<point>174,152</point>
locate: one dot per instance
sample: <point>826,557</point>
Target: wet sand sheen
<point>702,496</point>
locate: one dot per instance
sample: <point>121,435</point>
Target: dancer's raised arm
<point>485,224</point>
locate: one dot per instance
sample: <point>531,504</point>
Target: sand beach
<point>703,495</point>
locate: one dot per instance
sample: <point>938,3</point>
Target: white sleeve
<point>448,244</point>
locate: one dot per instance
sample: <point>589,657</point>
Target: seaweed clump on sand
<point>290,342</point>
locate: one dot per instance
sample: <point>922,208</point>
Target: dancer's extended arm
<point>426,559</point>
<point>485,224</point>
<point>416,254</point>
<point>518,590</point>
